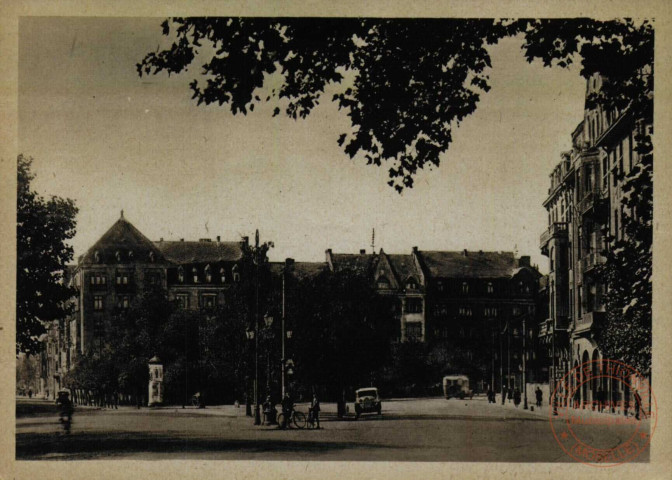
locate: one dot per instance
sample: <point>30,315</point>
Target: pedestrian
<point>490,394</point>
<point>269,411</point>
<point>638,405</point>
<point>516,397</point>
<point>315,410</point>
<point>30,393</point>
<point>504,391</point>
<point>539,394</point>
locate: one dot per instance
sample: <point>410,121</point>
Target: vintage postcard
<point>286,240</point>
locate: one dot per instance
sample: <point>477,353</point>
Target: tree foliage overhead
<point>43,226</point>
<point>404,83</point>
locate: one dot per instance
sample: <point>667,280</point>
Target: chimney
<point>362,251</point>
<point>327,253</point>
<point>415,249</point>
<point>161,240</point>
<point>245,240</point>
<point>181,239</point>
<point>465,253</point>
<point>289,262</point>
<point>219,239</point>
<point>480,252</point>
<point>524,261</point>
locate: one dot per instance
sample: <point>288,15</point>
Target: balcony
<point>544,328</point>
<point>593,202</point>
<point>585,322</point>
<point>590,261</point>
<point>556,230</point>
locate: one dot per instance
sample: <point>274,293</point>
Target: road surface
<point>409,430</point>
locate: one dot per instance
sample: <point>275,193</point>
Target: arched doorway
<point>595,380</point>
<point>585,385</point>
<point>575,386</point>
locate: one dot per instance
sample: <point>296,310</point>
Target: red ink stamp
<point>603,413</point>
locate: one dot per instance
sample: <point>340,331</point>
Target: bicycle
<point>298,418</point>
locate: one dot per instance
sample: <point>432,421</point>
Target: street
<point>431,429</point>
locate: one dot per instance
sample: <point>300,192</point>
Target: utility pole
<point>257,413</point>
<point>524,365</point>
<point>282,358</point>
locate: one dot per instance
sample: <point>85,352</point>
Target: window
<point>383,282</point>
<point>194,274</point>
<point>182,300</point>
<point>180,275</point>
<point>151,257</point>
<point>516,311</point>
<point>465,311</point>
<point>491,287</point>
<point>209,301</point>
<point>208,274</point>
<point>222,274</point>
<point>465,288</point>
<point>236,275</point>
<point>440,286</point>
<point>122,278</point>
<point>98,279</point>
<point>490,311</point>
<point>123,302</point>
<point>98,302</point>
<point>414,331</point>
<point>411,284</point>
<point>414,305</point>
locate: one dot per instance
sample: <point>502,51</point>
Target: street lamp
<point>258,257</point>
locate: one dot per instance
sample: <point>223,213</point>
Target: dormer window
<point>411,284</point>
<point>491,287</point>
<point>465,288</point>
<point>194,273</point>
<point>96,256</point>
<point>180,275</point>
<point>208,274</point>
<point>236,275</point>
<point>130,254</point>
<point>222,274</point>
<point>118,255</point>
<point>151,257</point>
<point>383,282</point>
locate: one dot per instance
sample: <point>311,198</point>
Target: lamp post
<point>285,333</point>
<point>258,257</point>
<point>524,366</point>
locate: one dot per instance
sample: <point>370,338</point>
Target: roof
<point>403,266</point>
<point>123,238</point>
<point>361,262</point>
<point>300,270</point>
<point>181,252</point>
<point>469,264</point>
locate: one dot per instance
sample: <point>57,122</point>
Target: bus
<point>456,386</point>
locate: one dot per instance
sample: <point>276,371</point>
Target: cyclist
<point>287,409</point>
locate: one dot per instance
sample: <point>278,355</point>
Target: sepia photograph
<point>335,238</point>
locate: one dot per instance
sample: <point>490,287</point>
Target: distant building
<point>124,264</point>
<point>465,298</point>
<point>584,205</point>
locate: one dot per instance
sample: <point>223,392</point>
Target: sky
<point>110,140</point>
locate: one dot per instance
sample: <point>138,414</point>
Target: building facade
<point>474,306</point>
<point>585,212</point>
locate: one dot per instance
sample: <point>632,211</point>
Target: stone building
<point>124,263</point>
<point>585,208</point>
<point>473,303</point>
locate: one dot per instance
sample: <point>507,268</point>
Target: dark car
<point>367,401</point>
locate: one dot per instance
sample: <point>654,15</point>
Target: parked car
<point>367,401</point>
<point>456,386</point>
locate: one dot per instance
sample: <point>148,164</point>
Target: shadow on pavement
<point>80,446</point>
